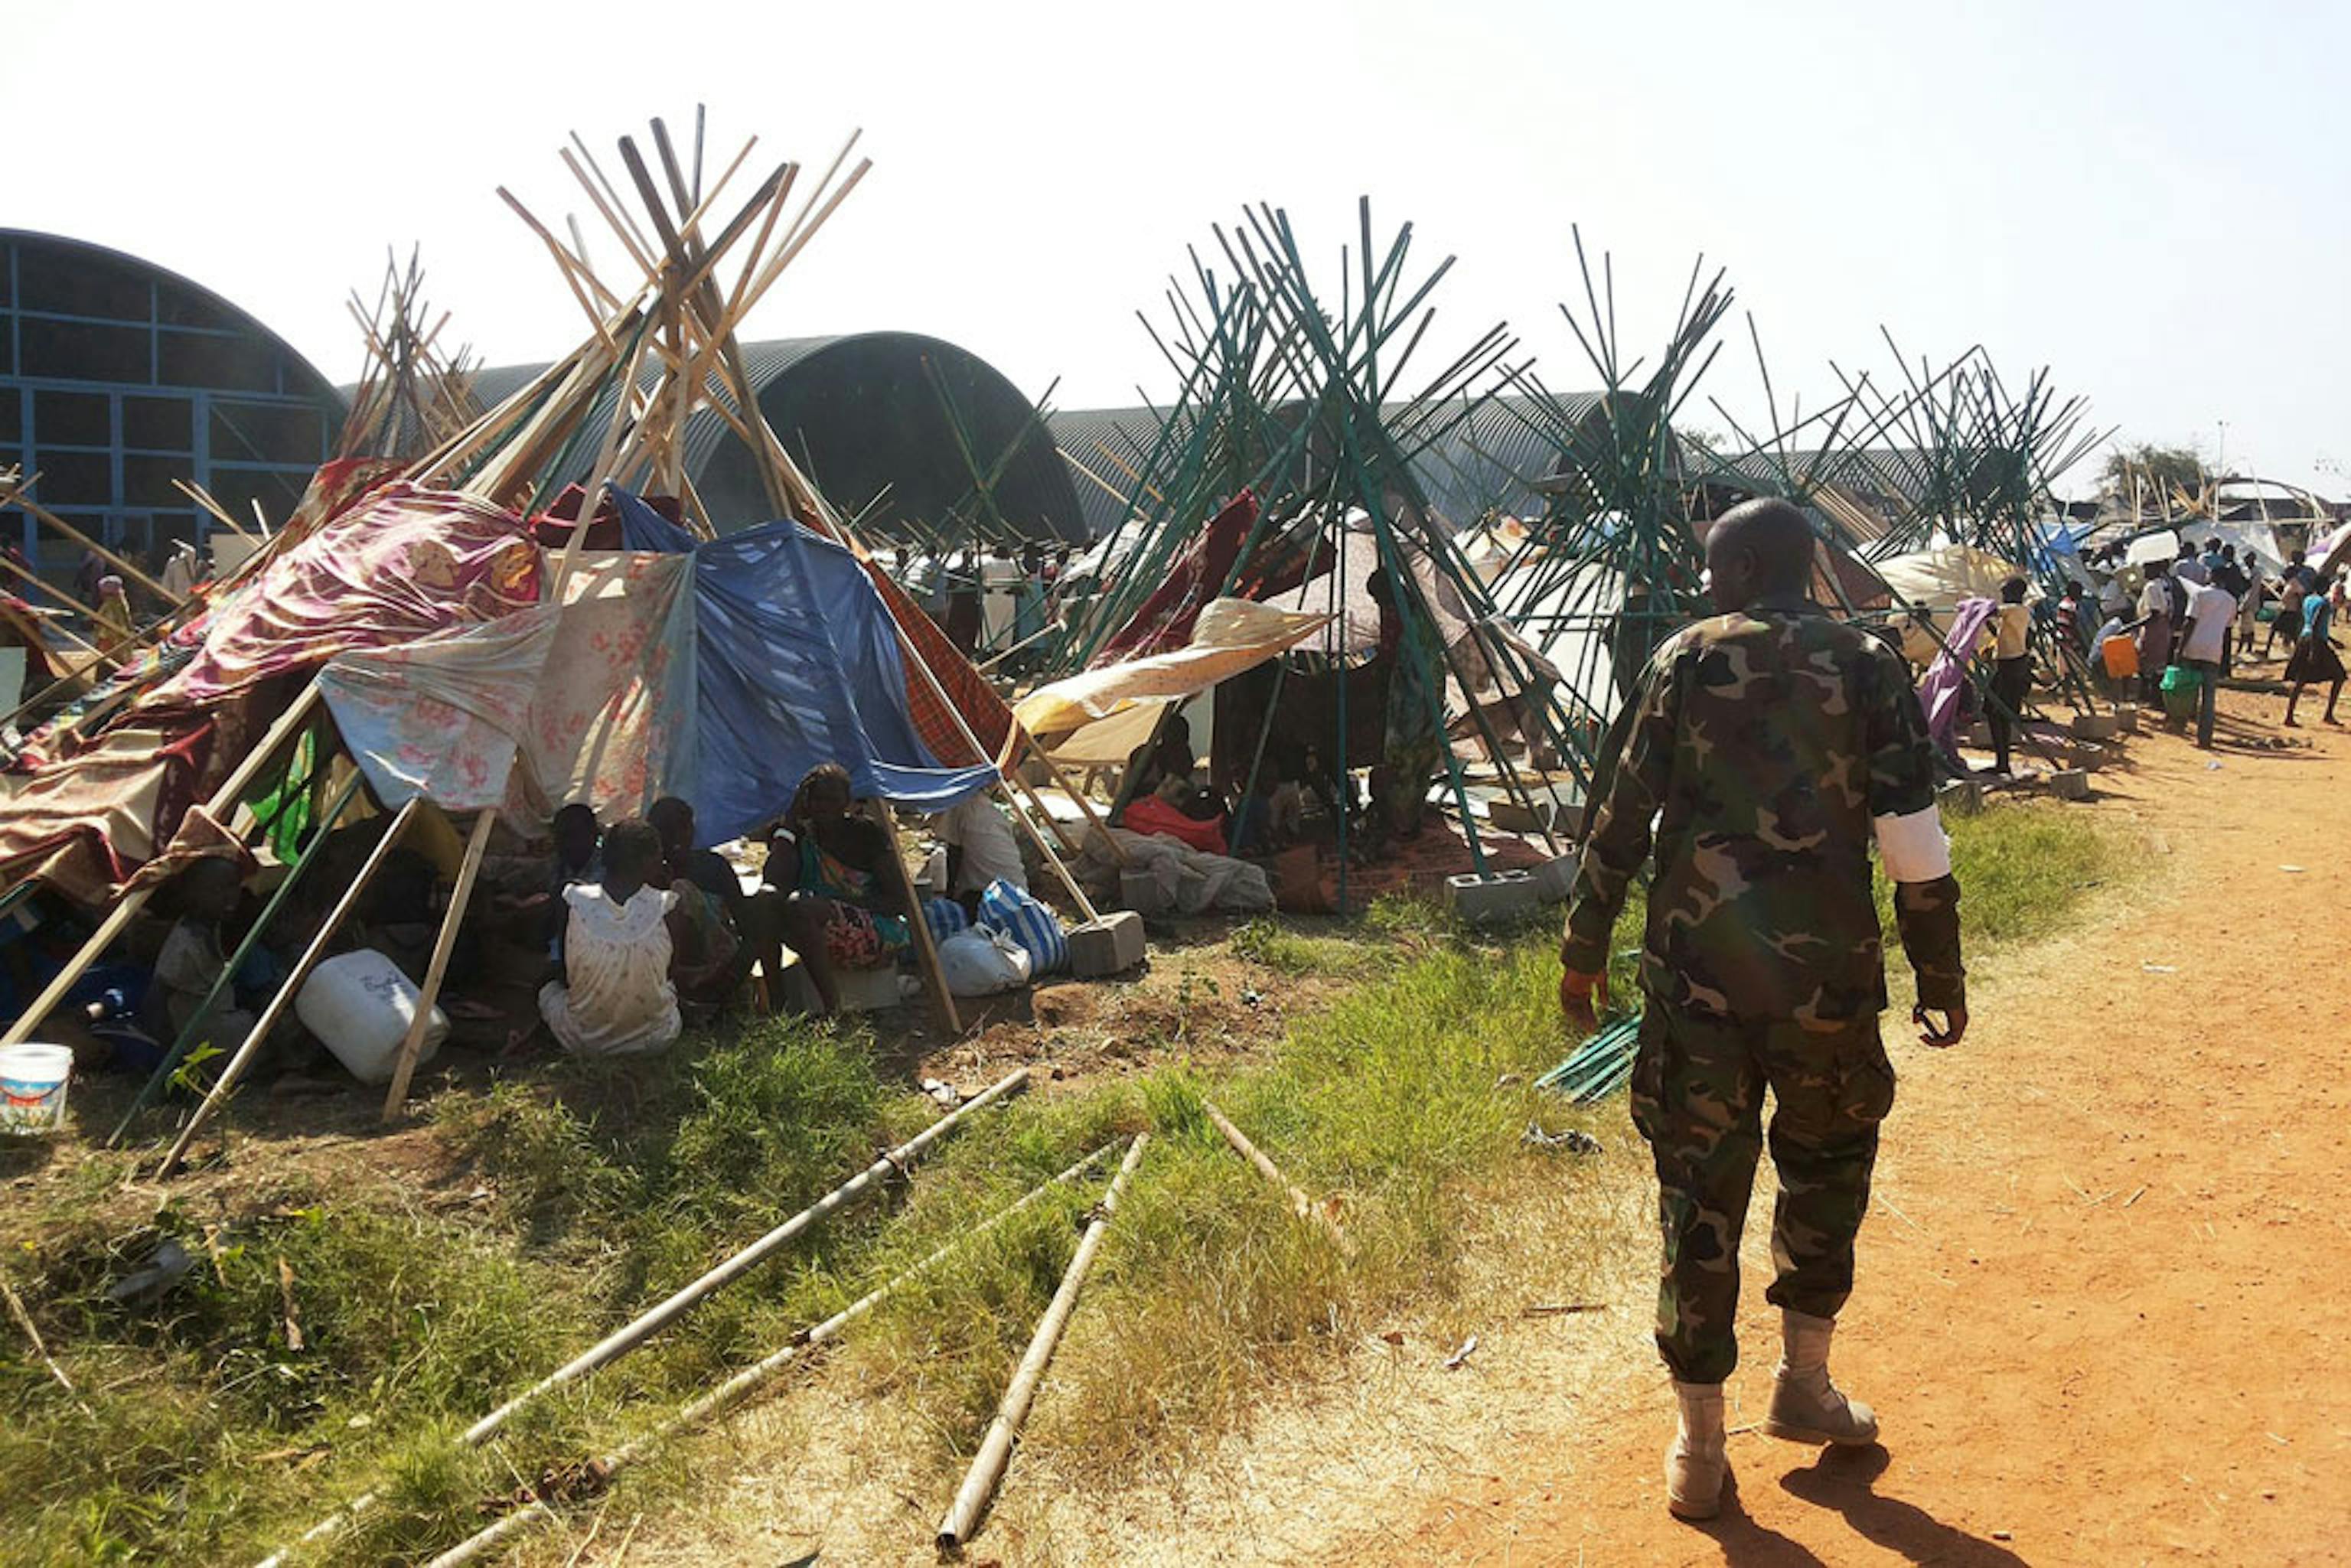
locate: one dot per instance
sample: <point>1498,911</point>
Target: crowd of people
<point>646,928</point>
<point>607,939</point>
<point>2192,621</point>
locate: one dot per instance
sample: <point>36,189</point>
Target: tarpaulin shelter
<point>1938,579</point>
<point>467,664</point>
<point>1099,715</point>
<point>722,673</point>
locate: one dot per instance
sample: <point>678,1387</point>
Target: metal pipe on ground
<point>740,1386</point>
<point>996,1448</point>
<point>621,1341</point>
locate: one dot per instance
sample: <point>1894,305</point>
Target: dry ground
<point>2103,1292</point>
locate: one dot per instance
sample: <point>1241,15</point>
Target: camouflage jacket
<point>1758,747</point>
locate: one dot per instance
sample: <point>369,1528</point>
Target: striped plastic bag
<point>1019,916</point>
<point>946,919</point>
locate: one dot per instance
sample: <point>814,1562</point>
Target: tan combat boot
<point>1694,1466</point>
<point>1805,1405</point>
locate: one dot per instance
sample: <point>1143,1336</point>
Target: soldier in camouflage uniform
<point>1764,749</point>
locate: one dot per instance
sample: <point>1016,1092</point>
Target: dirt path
<point>2106,1287</point>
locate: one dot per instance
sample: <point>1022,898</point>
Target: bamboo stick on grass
<point>1300,1205</point>
<point>626,1339</point>
<point>996,1448</point>
<point>735,1389</point>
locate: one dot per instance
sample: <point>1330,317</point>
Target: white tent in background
<point>1937,579</point>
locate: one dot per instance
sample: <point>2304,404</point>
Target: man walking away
<point>1768,745</point>
<point>2011,669</point>
<point>2314,659</point>
<point>2204,648</point>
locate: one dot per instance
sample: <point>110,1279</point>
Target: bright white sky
<point>2149,198</point>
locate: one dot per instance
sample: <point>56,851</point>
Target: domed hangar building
<point>118,376</point>
<point>910,433</point>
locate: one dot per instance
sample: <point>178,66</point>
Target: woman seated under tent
<point>841,910</point>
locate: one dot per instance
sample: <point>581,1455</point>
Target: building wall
<point>118,376</point>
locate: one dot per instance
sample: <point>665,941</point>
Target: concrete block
<point>2126,720</point>
<point>2070,785</point>
<point>1555,878</point>
<point>1960,797</point>
<point>1477,899</point>
<point>1980,736</point>
<point>1139,891</point>
<point>2093,726</point>
<point>862,990</point>
<point>1106,946</point>
<point>2087,756</point>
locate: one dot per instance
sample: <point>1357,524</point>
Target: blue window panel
<point>83,352</point>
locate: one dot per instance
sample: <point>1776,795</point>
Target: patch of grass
<point>402,1318</point>
<point>1296,950</point>
<point>1406,1099</point>
<point>2024,868</point>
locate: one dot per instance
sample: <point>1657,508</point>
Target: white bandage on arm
<point>1913,846</point>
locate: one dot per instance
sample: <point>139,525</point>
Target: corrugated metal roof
<point>315,385</point>
<point>881,428</point>
<point>1877,472</point>
<point>1486,458</point>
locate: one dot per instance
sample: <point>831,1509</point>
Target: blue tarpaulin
<point>797,663</point>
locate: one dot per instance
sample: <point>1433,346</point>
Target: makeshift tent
<point>1284,473</point>
<point>411,599</point>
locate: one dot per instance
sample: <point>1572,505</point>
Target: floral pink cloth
<point>598,697</point>
<point>443,716</point>
<point>611,723</point>
<point>402,564</point>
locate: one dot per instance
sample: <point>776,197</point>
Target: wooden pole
<point>1094,818</point>
<point>223,1086</point>
<point>54,593</point>
<point>996,1448</point>
<point>918,925</point>
<point>1300,1205</point>
<point>186,1038</point>
<point>438,969</point>
<point>131,903</point>
<point>740,1386</point>
<point>11,494</point>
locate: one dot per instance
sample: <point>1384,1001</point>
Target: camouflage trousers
<point>1697,1097</point>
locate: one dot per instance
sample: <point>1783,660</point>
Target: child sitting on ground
<point>615,996</point>
<point>194,954</point>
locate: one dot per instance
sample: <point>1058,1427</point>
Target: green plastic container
<point>2180,689</point>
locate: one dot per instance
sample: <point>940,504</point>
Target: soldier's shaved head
<point>1759,550</point>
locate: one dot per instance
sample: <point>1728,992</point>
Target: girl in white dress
<point>616,997</point>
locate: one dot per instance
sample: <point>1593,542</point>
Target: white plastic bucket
<point>359,1006</point>
<point>33,1080</point>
